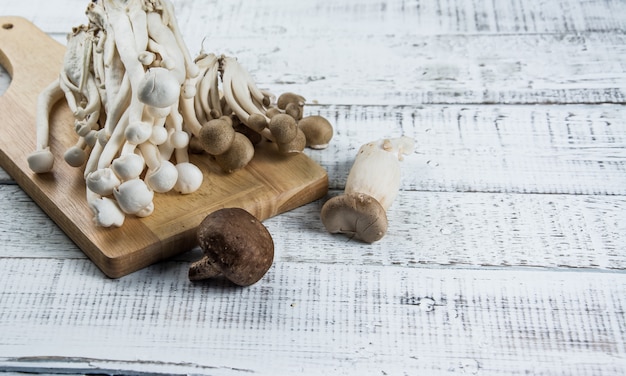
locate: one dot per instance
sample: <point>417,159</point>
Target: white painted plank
<point>413,70</point>
<point>4,177</point>
<point>327,17</point>
<point>313,319</point>
<point>524,149</point>
<point>341,66</point>
<point>459,229</point>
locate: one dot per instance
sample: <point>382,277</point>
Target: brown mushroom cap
<point>294,110</point>
<point>272,111</point>
<point>355,214</point>
<point>216,136</point>
<point>236,245</point>
<point>257,122</point>
<point>285,98</point>
<point>318,131</point>
<point>238,155</point>
<point>284,128</point>
<point>296,145</point>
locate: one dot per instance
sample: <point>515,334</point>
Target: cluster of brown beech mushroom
<point>141,104</point>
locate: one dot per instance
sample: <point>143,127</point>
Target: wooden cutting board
<point>271,184</point>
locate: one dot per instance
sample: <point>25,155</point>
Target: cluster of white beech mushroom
<point>141,104</point>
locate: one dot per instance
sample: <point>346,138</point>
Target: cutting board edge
<point>122,265</point>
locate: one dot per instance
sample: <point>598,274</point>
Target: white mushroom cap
<point>128,166</point>
<point>163,178</point>
<point>41,161</point>
<point>138,133</point>
<point>159,135</point>
<point>102,181</point>
<point>157,112</point>
<point>179,139</point>
<point>146,211</point>
<point>91,138</point>
<point>159,88</point>
<point>189,91</point>
<point>133,195</point>
<point>106,212</point>
<point>75,156</point>
<point>189,178</point>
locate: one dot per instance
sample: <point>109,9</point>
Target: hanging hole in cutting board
<point>5,77</point>
<point>5,80</point>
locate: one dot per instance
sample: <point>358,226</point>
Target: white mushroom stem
<point>118,104</point>
<point>128,53</point>
<point>105,210</point>
<point>87,125</point>
<point>138,20</point>
<point>208,95</point>
<point>92,94</point>
<point>42,160</point>
<point>69,89</point>
<point>162,174</point>
<point>92,161</point>
<point>189,116</point>
<point>376,169</point>
<point>167,148</point>
<point>163,36</point>
<point>170,20</point>
<point>236,90</point>
<point>151,155</point>
<point>46,99</point>
<point>115,143</point>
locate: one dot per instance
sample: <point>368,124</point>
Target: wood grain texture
<point>314,319</point>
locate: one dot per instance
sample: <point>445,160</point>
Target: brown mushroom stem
<point>372,185</point>
<point>203,269</point>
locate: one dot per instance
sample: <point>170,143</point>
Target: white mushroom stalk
<point>139,99</point>
<point>373,184</point>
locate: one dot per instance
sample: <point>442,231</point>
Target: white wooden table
<point>506,249</point>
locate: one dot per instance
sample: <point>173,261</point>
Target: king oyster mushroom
<point>372,185</point>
